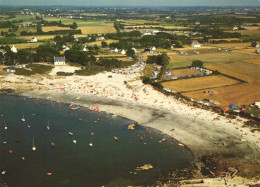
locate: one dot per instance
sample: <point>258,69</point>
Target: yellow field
<point>166,27</point>
<point>97,29</point>
<point>232,45</point>
<point>227,39</point>
<point>241,94</point>
<point>27,45</point>
<point>199,83</point>
<point>54,28</point>
<point>253,61</point>
<point>246,71</point>
<point>255,33</point>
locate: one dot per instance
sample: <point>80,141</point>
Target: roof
<point>58,59</point>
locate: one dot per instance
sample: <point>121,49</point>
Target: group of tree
<point>134,39</point>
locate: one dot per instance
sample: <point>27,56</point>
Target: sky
<point>132,2</point>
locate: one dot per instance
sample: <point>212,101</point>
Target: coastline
<point>203,132</point>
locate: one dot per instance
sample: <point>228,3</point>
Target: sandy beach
<point>203,132</point>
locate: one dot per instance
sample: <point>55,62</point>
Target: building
<point>100,38</point>
<point>195,44</point>
<point>65,48</point>
<point>33,40</point>
<point>153,48</point>
<point>85,48</point>
<point>59,61</point>
<point>2,51</point>
<point>115,50</point>
<point>147,51</point>
<point>122,52</point>
<point>13,49</point>
<point>235,28</point>
<point>255,44</point>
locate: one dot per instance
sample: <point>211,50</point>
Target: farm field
<point>41,37</point>
<point>54,28</point>
<point>241,94</point>
<point>97,29</point>
<point>27,45</point>
<point>254,33</point>
<point>241,63</point>
<point>185,72</point>
<point>98,43</point>
<point>193,84</point>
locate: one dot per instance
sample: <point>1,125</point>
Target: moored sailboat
<point>33,147</point>
<point>23,119</point>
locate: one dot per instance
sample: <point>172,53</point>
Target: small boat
<point>180,144</point>
<point>23,119</point>
<point>23,158</point>
<point>114,115</point>
<point>11,152</point>
<point>115,138</point>
<point>52,144</point>
<point>33,147</point>
<point>78,98</point>
<point>90,144</point>
<point>5,125</point>
<point>49,173</point>
<point>71,134</point>
<point>48,126</point>
<point>3,172</point>
<point>74,141</point>
<point>92,133</point>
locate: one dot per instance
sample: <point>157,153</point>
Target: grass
<point>98,43</point>
<point>186,71</point>
<point>45,37</point>
<point>191,84</point>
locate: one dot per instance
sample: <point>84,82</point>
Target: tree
<point>74,25</point>
<point>104,44</point>
<point>130,52</point>
<point>1,58</point>
<point>152,59</point>
<point>197,63</point>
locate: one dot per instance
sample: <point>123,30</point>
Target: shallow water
<point>108,162</point>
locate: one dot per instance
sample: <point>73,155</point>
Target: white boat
<point>74,141</point>
<point>33,147</point>
<point>23,119</point>
<point>5,126</point>
<point>48,126</point>
<point>90,144</point>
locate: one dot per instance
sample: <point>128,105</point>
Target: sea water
<point>107,162</point>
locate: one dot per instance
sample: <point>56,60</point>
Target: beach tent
<point>225,108</point>
<point>233,106</point>
<point>167,76</point>
<point>199,75</point>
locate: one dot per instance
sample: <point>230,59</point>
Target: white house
<point>115,50</point>
<point>100,38</point>
<point>257,104</point>
<point>65,48</point>
<point>122,52</point>
<point>153,48</point>
<point>13,49</point>
<point>195,44</point>
<point>33,40</point>
<point>59,61</point>
<point>134,49</point>
<point>85,49</point>
<point>2,51</point>
<point>235,28</point>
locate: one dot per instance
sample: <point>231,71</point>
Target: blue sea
<point>108,162</point>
